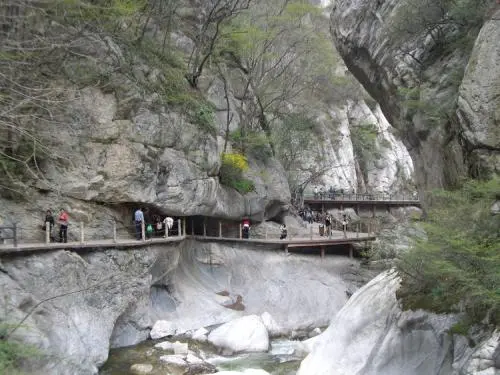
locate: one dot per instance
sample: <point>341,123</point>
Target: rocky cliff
<point>443,101</point>
<point>371,335</point>
<point>125,129</point>
<point>75,307</point>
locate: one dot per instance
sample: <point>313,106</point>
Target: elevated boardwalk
<point>359,201</point>
<point>337,239</point>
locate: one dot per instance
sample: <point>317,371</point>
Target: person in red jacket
<point>63,226</point>
<point>246,228</point>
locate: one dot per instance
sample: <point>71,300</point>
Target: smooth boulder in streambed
<point>246,334</point>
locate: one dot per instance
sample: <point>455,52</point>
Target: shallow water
<point>280,360</point>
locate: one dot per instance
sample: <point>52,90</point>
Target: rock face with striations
<point>372,336</point>
<point>415,83</point>
<point>77,306</point>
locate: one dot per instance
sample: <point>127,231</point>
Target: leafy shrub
<point>458,268</point>
<point>231,172</point>
<point>203,115</point>
<point>252,143</point>
<point>13,353</point>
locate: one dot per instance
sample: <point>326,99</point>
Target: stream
<point>281,359</point>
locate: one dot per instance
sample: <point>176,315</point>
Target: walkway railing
<point>182,228</point>
<point>399,197</point>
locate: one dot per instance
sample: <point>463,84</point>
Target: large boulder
<point>246,334</point>
<point>74,307</point>
<point>372,336</point>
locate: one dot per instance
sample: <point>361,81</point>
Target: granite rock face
<point>371,335</point>
<point>77,306</point>
<point>415,84</point>
<point>479,99</point>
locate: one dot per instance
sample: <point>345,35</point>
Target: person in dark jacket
<point>283,232</point>
<point>49,218</point>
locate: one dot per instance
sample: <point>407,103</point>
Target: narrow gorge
<point>213,112</point>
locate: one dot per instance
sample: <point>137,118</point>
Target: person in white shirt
<point>169,223</point>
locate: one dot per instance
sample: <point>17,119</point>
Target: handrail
<point>178,232</point>
<point>328,196</point>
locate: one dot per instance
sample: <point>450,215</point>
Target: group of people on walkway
<point>154,226</point>
<point>325,220</point>
<point>62,221</point>
<point>331,193</point>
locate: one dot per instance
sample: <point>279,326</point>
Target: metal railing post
<point>47,232</point>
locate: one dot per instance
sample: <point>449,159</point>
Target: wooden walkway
<point>363,200</point>
<point>296,242</point>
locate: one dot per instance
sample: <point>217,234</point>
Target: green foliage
<point>12,353</point>
<point>364,143</point>
<point>202,113</point>
<point>414,100</point>
<point>418,18</point>
<point>457,269</point>
<point>231,172</point>
<point>252,143</point>
<point>293,135</point>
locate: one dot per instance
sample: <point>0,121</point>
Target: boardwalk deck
<point>363,202</point>
<point>299,242</point>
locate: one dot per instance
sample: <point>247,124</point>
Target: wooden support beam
<point>322,251</point>
<point>143,231</point>
<point>351,251</point>
<point>220,229</point>
<point>47,232</point>
<point>286,249</point>
<point>82,234</point>
<point>114,231</point>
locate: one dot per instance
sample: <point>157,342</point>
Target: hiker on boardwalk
<point>49,218</point>
<point>344,224</point>
<point>283,232</point>
<point>158,226</point>
<point>328,225</point>
<point>169,224</point>
<point>63,225</point>
<point>246,228</point>
<point>138,220</point>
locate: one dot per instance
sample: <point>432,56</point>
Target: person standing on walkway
<point>49,218</point>
<point>169,223</point>
<point>138,219</point>
<point>283,232</point>
<point>246,228</point>
<point>63,225</point>
<point>344,224</point>
<point>328,225</point>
